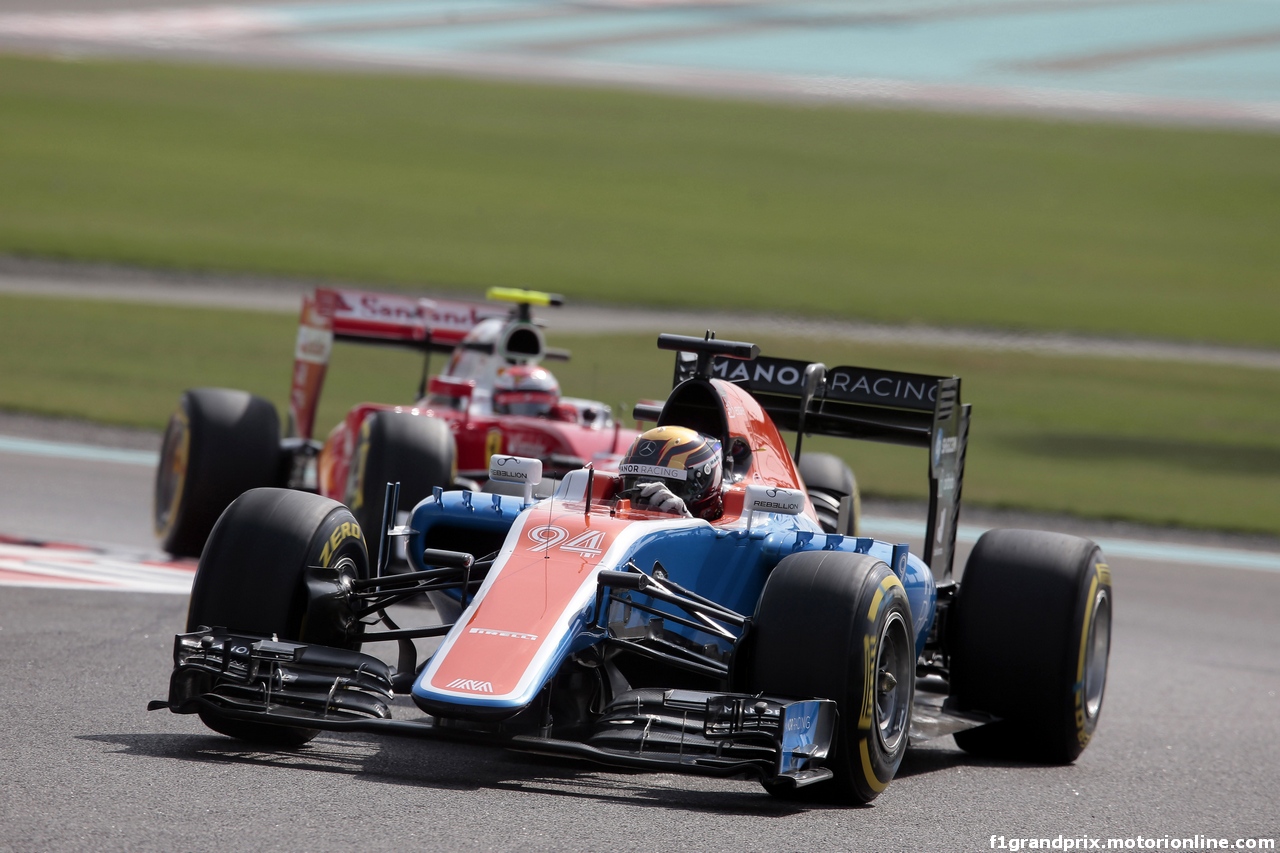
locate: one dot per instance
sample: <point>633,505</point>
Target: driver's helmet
<point>687,462</point>
<point>525,389</point>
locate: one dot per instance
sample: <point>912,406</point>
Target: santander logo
<point>379,307</point>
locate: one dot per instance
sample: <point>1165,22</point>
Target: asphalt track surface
<point>1189,740</point>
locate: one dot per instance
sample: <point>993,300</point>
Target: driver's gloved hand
<point>659,497</point>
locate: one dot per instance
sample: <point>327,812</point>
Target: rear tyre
<point>219,444</point>
<point>251,579</point>
<point>1030,639</point>
<point>416,451</point>
<point>828,481</point>
<point>834,625</point>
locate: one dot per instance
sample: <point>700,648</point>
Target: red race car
<point>493,397</point>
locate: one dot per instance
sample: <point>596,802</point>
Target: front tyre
<point>1030,642</point>
<point>834,625</point>
<point>252,579</point>
<point>219,444</point>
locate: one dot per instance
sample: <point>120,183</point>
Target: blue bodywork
<point>726,564</point>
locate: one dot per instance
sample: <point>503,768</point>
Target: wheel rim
<point>894,674</point>
<point>171,476</point>
<point>348,572</point>
<point>1097,654</point>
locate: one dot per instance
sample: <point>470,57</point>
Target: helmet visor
<point>527,403</point>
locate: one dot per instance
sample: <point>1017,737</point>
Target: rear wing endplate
<point>911,409</point>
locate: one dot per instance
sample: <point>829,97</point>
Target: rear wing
<point>400,320</point>
<point>360,316</point>
<point>809,398</point>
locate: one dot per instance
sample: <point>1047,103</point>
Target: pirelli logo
<point>341,533</point>
<point>515,635</point>
<point>867,717</point>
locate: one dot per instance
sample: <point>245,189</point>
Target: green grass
<point>614,196</point>
<point>1157,443</point>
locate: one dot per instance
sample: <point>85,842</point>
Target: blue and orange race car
<point>686,612</point>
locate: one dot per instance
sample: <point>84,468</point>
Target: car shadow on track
<point>942,756</point>
<point>465,767</point>
<point>921,762</point>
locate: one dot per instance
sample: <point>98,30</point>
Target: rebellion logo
<point>470,685</point>
<point>774,499</point>
<point>515,469</point>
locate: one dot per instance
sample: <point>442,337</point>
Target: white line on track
<point>65,566</point>
<point>61,450</point>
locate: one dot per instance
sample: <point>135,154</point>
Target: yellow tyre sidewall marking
<point>1101,574</point>
<point>356,499</point>
<point>337,539</point>
<point>178,463</point>
<point>869,772</point>
<point>870,647</point>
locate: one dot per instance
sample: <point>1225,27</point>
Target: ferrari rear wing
<point>393,319</point>
<point>361,316</point>
<point>401,320</point>
<point>809,398</point>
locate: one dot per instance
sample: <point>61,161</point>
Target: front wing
<point>259,680</point>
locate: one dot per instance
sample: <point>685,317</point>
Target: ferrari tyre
<point>252,579</point>
<point>1030,639</point>
<point>414,450</point>
<point>219,444</point>
<point>828,480</point>
<point>835,625</point>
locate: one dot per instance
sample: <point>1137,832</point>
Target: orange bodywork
<point>543,583</point>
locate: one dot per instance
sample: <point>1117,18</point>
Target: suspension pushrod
<point>670,617</point>
<point>407,633</point>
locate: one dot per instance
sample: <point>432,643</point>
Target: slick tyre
<point>252,579</point>
<point>219,444</point>
<point>834,625</point>
<point>1030,637</point>
<point>417,452</point>
<point>829,480</point>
